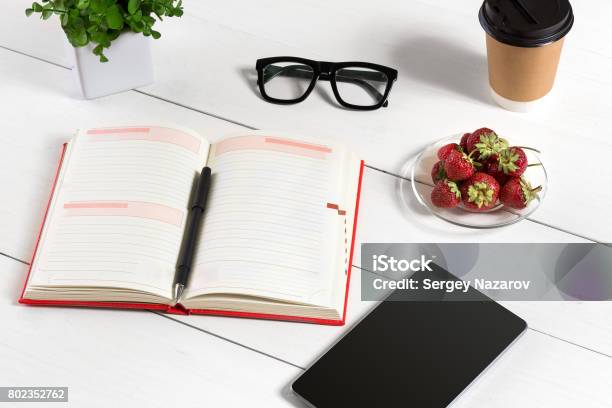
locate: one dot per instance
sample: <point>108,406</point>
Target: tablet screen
<point>411,354</point>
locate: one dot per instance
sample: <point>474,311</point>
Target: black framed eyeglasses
<point>356,85</point>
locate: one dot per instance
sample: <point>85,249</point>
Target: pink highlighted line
<point>151,211</point>
<point>272,144</point>
<point>151,134</point>
<point>96,205</point>
<point>117,130</point>
<point>300,145</point>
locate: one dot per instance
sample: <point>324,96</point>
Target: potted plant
<point>109,39</point>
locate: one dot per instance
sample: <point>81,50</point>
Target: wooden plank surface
<point>381,209</point>
<point>441,90</point>
<point>131,358</point>
<point>127,358</point>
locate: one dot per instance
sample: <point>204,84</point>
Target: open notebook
<point>276,240</point>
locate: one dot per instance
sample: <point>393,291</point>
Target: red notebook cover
<point>179,309</point>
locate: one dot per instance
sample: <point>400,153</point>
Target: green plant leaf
<point>82,4</point>
<point>138,26</point>
<point>81,39</point>
<point>78,38</point>
<point>99,37</point>
<point>97,6</point>
<point>29,11</point>
<point>155,34</point>
<point>37,7</point>
<point>133,6</point>
<point>112,36</point>
<point>114,19</point>
<point>46,14</point>
<point>64,19</point>
<point>77,23</point>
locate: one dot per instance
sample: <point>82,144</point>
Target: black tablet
<point>410,353</point>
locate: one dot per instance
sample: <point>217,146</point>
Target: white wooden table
<point>205,80</point>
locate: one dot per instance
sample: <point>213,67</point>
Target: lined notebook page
<point>269,230</point>
<point>118,216</point>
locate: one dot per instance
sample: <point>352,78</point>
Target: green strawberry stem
<point>536,190</point>
<point>529,148</point>
<point>534,164</point>
<point>480,194</point>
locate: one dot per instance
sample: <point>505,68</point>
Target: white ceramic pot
<point>129,66</point>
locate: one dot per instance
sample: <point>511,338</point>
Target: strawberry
<point>491,167</point>
<point>474,138</point>
<point>446,194</point>
<point>486,143</point>
<point>463,142</point>
<point>437,171</point>
<point>518,193</point>
<point>446,149</point>
<point>459,166</point>
<point>480,192</point>
<point>512,161</point>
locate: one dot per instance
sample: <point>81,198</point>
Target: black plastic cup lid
<point>526,23</point>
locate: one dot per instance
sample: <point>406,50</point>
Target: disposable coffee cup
<point>524,41</point>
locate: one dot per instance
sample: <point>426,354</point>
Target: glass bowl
<point>417,180</point>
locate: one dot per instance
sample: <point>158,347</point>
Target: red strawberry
<point>437,171</point>
<point>491,167</point>
<point>446,194</point>
<point>474,138</point>
<point>458,166</point>
<point>518,193</point>
<point>486,143</point>
<point>463,142</point>
<point>512,161</point>
<point>446,149</point>
<point>480,192</point>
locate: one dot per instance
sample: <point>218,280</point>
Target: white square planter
<point>129,66</point>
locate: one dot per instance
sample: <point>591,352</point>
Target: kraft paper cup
<point>524,42</point>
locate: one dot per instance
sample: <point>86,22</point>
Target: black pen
<point>194,218</point>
